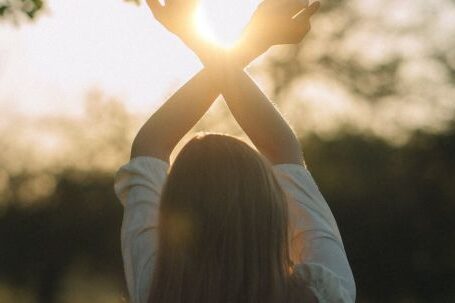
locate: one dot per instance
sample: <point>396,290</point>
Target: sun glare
<point>222,21</point>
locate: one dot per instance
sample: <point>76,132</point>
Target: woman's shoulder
<point>145,163</point>
<point>141,174</point>
<point>295,176</point>
<point>323,285</point>
<point>143,167</point>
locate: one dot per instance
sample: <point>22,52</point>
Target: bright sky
<point>48,66</point>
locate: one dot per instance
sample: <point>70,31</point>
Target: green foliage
<point>371,64</point>
<point>394,207</point>
<point>18,10</point>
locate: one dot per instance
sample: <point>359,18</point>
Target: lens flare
<point>222,21</point>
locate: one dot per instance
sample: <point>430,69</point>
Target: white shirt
<point>322,261</point>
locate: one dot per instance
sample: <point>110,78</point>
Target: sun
<point>222,21</point>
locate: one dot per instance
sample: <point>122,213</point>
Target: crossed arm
<point>223,73</point>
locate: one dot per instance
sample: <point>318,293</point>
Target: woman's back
<point>237,230</point>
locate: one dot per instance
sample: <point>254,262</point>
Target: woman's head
<point>223,226</point>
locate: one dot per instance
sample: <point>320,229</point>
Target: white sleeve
<point>138,186</point>
<point>316,242</point>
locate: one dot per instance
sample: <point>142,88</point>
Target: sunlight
<point>221,21</point>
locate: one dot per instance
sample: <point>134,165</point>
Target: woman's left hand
<point>177,16</point>
<point>280,22</point>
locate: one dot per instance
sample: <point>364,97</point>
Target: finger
<point>285,8</point>
<point>294,6</point>
<point>313,8</point>
<point>308,12</point>
<point>155,6</point>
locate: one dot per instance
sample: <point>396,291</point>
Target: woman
<point>227,223</point>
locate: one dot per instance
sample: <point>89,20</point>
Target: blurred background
<point>370,92</point>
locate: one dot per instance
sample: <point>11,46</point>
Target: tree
<point>381,67</point>
<point>18,11</point>
<point>15,9</point>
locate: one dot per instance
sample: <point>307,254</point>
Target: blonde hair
<point>222,227</point>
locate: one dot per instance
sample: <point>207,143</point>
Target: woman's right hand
<point>280,22</point>
<point>177,16</point>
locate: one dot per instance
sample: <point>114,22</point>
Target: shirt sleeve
<point>138,186</point>
<point>316,243</point>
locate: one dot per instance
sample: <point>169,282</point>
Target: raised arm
<point>271,24</point>
<point>166,127</point>
<point>260,119</point>
<point>224,72</point>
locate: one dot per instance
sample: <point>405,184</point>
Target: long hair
<point>223,228</point>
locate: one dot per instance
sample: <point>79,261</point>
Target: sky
<point>48,66</point>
